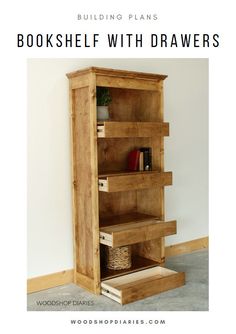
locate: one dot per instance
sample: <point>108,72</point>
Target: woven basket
<point>118,258</point>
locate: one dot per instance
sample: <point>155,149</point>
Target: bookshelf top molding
<point>117,73</point>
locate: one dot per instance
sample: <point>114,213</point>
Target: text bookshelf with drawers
<point>115,208</point>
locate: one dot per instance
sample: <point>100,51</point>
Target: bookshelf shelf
<point>138,263</point>
<point>131,129</point>
<point>131,217</point>
<point>124,173</point>
<point>114,207</point>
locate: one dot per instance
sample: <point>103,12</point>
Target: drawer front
<point>142,284</point>
<point>134,182</point>
<point>132,129</point>
<point>127,234</point>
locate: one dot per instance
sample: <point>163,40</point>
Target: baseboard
<point>186,247</point>
<point>67,276</point>
<point>50,281</point>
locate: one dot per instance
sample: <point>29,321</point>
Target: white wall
<point>49,180</point>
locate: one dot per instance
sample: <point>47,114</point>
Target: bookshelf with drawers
<point>114,207</point>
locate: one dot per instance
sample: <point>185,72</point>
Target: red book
<point>133,160</point>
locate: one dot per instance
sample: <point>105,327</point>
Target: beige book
<point>141,161</point>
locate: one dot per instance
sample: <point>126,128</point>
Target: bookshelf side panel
<point>85,202</point>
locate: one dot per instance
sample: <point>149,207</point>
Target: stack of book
<point>140,159</point>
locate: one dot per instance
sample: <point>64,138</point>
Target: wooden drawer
<point>129,288</point>
<point>132,129</point>
<point>137,231</point>
<point>133,181</point>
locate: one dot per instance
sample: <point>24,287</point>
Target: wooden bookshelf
<point>113,207</point>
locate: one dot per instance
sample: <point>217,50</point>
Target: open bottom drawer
<point>142,284</point>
